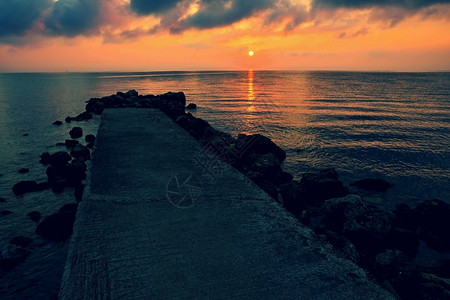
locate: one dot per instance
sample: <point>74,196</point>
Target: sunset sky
<point>147,35</point>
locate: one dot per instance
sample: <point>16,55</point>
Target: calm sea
<point>390,125</point>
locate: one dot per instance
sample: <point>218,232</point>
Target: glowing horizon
<point>138,35</point>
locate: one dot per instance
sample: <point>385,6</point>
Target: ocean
<point>394,126</point>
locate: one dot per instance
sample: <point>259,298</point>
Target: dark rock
<point>58,184</point>
<point>434,223</point>
<point>12,255</point>
<point>24,170</point>
<point>45,158</point>
<point>25,134</point>
<point>60,144</point>
<point>71,143</point>
<point>2,200</point>
<point>78,193</point>
<point>76,132</point>
<point>60,158</point>
<point>57,123</point>
<point>440,268</point>
<point>69,207</point>
<point>24,187</point>
<point>328,174</point>
<point>191,106</point>
<point>248,144</point>
<point>42,186</point>
<point>173,104</point>
<point>90,138</point>
<point>5,212</point>
<point>268,187</point>
<point>57,227</point>
<point>322,186</point>
<point>21,241</point>
<point>372,184</point>
<point>293,197</point>
<point>84,116</point>
<point>80,151</point>
<point>69,175</point>
<point>403,240</point>
<point>90,145</point>
<point>267,164</point>
<point>434,287</point>
<point>34,215</point>
<point>131,93</point>
<point>197,127</point>
<point>396,268</point>
<point>95,106</point>
<point>68,119</point>
<point>343,246</point>
<point>405,217</point>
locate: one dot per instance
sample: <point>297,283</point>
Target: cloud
<point>74,17</point>
<point>408,4</point>
<point>146,7</point>
<point>19,16</point>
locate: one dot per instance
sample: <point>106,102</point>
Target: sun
<point>250,53</point>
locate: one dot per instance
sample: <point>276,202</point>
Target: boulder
<point>23,170</point>
<point>318,187</point>
<point>76,132</point>
<point>12,255</point>
<point>405,217</point>
<point>95,106</point>
<point>131,93</point>
<point>80,151</point>
<point>293,198</point>
<point>45,158</point>
<point>78,192</point>
<point>21,241</point>
<point>68,119</point>
<point>403,240</point>
<point>60,158</point>
<point>434,287</point>
<point>71,143</point>
<point>84,116</point>
<point>267,164</point>
<point>34,216</point>
<point>57,123</point>
<point>24,187</point>
<point>191,106</point>
<point>59,226</point>
<point>372,184</point>
<point>246,145</point>
<point>434,223</point>
<point>90,138</point>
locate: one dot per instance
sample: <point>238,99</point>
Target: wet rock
<point>173,104</point>
<point>293,197</point>
<point>95,106</point>
<point>90,138</point>
<point>71,143</point>
<point>84,116</point>
<point>396,268</point>
<point>372,184</point>
<point>57,123</point>
<point>42,186</point>
<point>131,94</point>
<point>59,226</point>
<point>24,187</point>
<point>12,255</point>
<point>35,216</point>
<point>76,132</point>
<point>21,241</point>
<point>24,170</point>
<point>403,240</point>
<point>197,127</point>
<point>434,223</point>
<point>343,246</point>
<point>191,106</point>
<point>405,217</point>
<point>90,145</point>
<point>78,193</point>
<point>68,119</point>
<point>281,178</point>
<point>440,268</point>
<point>45,158</point>
<point>60,158</point>
<point>434,287</point>
<point>318,187</point>
<point>246,145</point>
<point>267,164</point>
<point>80,151</point>
<point>268,187</point>
<point>5,212</point>
<point>25,134</point>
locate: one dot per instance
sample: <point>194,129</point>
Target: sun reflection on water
<point>250,94</point>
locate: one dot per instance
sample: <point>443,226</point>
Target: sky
<point>149,35</point>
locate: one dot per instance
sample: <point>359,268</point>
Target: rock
<point>434,287</point>
<point>71,143</point>
<point>173,104</point>
<point>90,145</point>
<point>267,164</point>
<point>45,158</point>
<point>12,255</point>
<point>318,187</point>
<point>248,144</point>
<point>78,193</point>
<point>440,268</point>
<point>131,93</point>
<point>24,170</point>
<point>197,127</point>
<point>95,106</point>
<point>5,212</point>
<point>403,240</point>
<point>434,223</point>
<point>69,207</point>
<point>34,215</point>
<point>372,184</point>
<point>57,227</point>
<point>90,138</point>
<point>281,178</point>
<point>80,151</point>
<point>396,268</point>
<point>43,186</point>
<point>84,116</point>
<point>293,198</point>
<point>191,106</point>
<point>57,123</point>
<point>343,246</point>
<point>24,187</point>
<point>60,158</point>
<point>25,134</point>
<point>2,200</point>
<point>405,217</point>
<point>21,241</point>
<point>68,119</point>
<point>268,187</point>
<point>76,132</point>
<point>69,175</point>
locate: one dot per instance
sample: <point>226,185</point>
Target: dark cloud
<point>147,7</point>
<point>18,16</point>
<point>408,4</point>
<point>74,17</point>
<point>217,13</point>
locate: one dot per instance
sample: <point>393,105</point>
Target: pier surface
<point>160,219</point>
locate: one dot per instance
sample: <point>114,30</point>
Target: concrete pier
<point>161,219</point>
